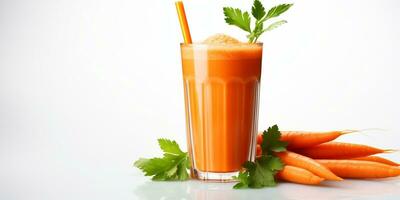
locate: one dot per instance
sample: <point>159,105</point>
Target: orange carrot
<point>303,139</point>
<point>297,160</point>
<point>377,159</point>
<point>339,150</point>
<point>298,175</point>
<point>259,138</point>
<point>360,168</point>
<point>258,150</point>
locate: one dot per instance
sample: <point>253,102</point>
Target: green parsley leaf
<point>152,166</point>
<point>271,162</point>
<point>258,10</point>
<point>260,173</point>
<point>275,25</point>
<point>173,166</point>
<point>182,171</point>
<point>169,147</point>
<point>243,180</point>
<point>278,10</point>
<point>234,16</point>
<point>271,141</point>
<point>263,174</point>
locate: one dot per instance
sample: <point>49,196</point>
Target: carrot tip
<point>372,129</point>
<point>336,178</point>
<point>390,150</point>
<point>347,131</point>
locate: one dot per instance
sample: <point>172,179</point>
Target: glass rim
<point>220,45</point>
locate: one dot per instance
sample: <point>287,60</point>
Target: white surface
<point>354,189</point>
<point>87,86</point>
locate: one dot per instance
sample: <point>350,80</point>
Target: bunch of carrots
<point>312,157</point>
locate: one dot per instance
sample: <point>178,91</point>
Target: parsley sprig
<point>173,166</point>
<point>261,172</point>
<point>236,17</point>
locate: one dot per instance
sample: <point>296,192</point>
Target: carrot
<point>303,139</point>
<point>339,150</point>
<point>258,150</point>
<point>297,160</point>
<point>377,159</point>
<point>360,168</point>
<point>298,175</point>
<point>259,138</point>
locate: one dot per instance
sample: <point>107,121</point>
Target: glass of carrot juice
<point>221,90</point>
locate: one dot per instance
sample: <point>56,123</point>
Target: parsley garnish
<point>173,166</point>
<point>261,173</point>
<point>236,17</point>
<point>271,141</point>
<point>257,174</point>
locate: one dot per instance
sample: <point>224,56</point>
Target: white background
<point>87,86</point>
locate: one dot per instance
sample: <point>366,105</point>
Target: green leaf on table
<point>243,180</point>
<point>173,166</point>
<point>260,173</point>
<point>170,147</point>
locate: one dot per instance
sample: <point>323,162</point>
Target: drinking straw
<point>183,22</point>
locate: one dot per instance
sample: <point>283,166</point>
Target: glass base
<point>214,176</point>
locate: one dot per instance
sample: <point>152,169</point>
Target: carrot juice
<point>221,86</point>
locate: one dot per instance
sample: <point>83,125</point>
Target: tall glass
<point>221,85</point>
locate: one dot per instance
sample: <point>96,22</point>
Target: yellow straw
<point>183,22</point>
